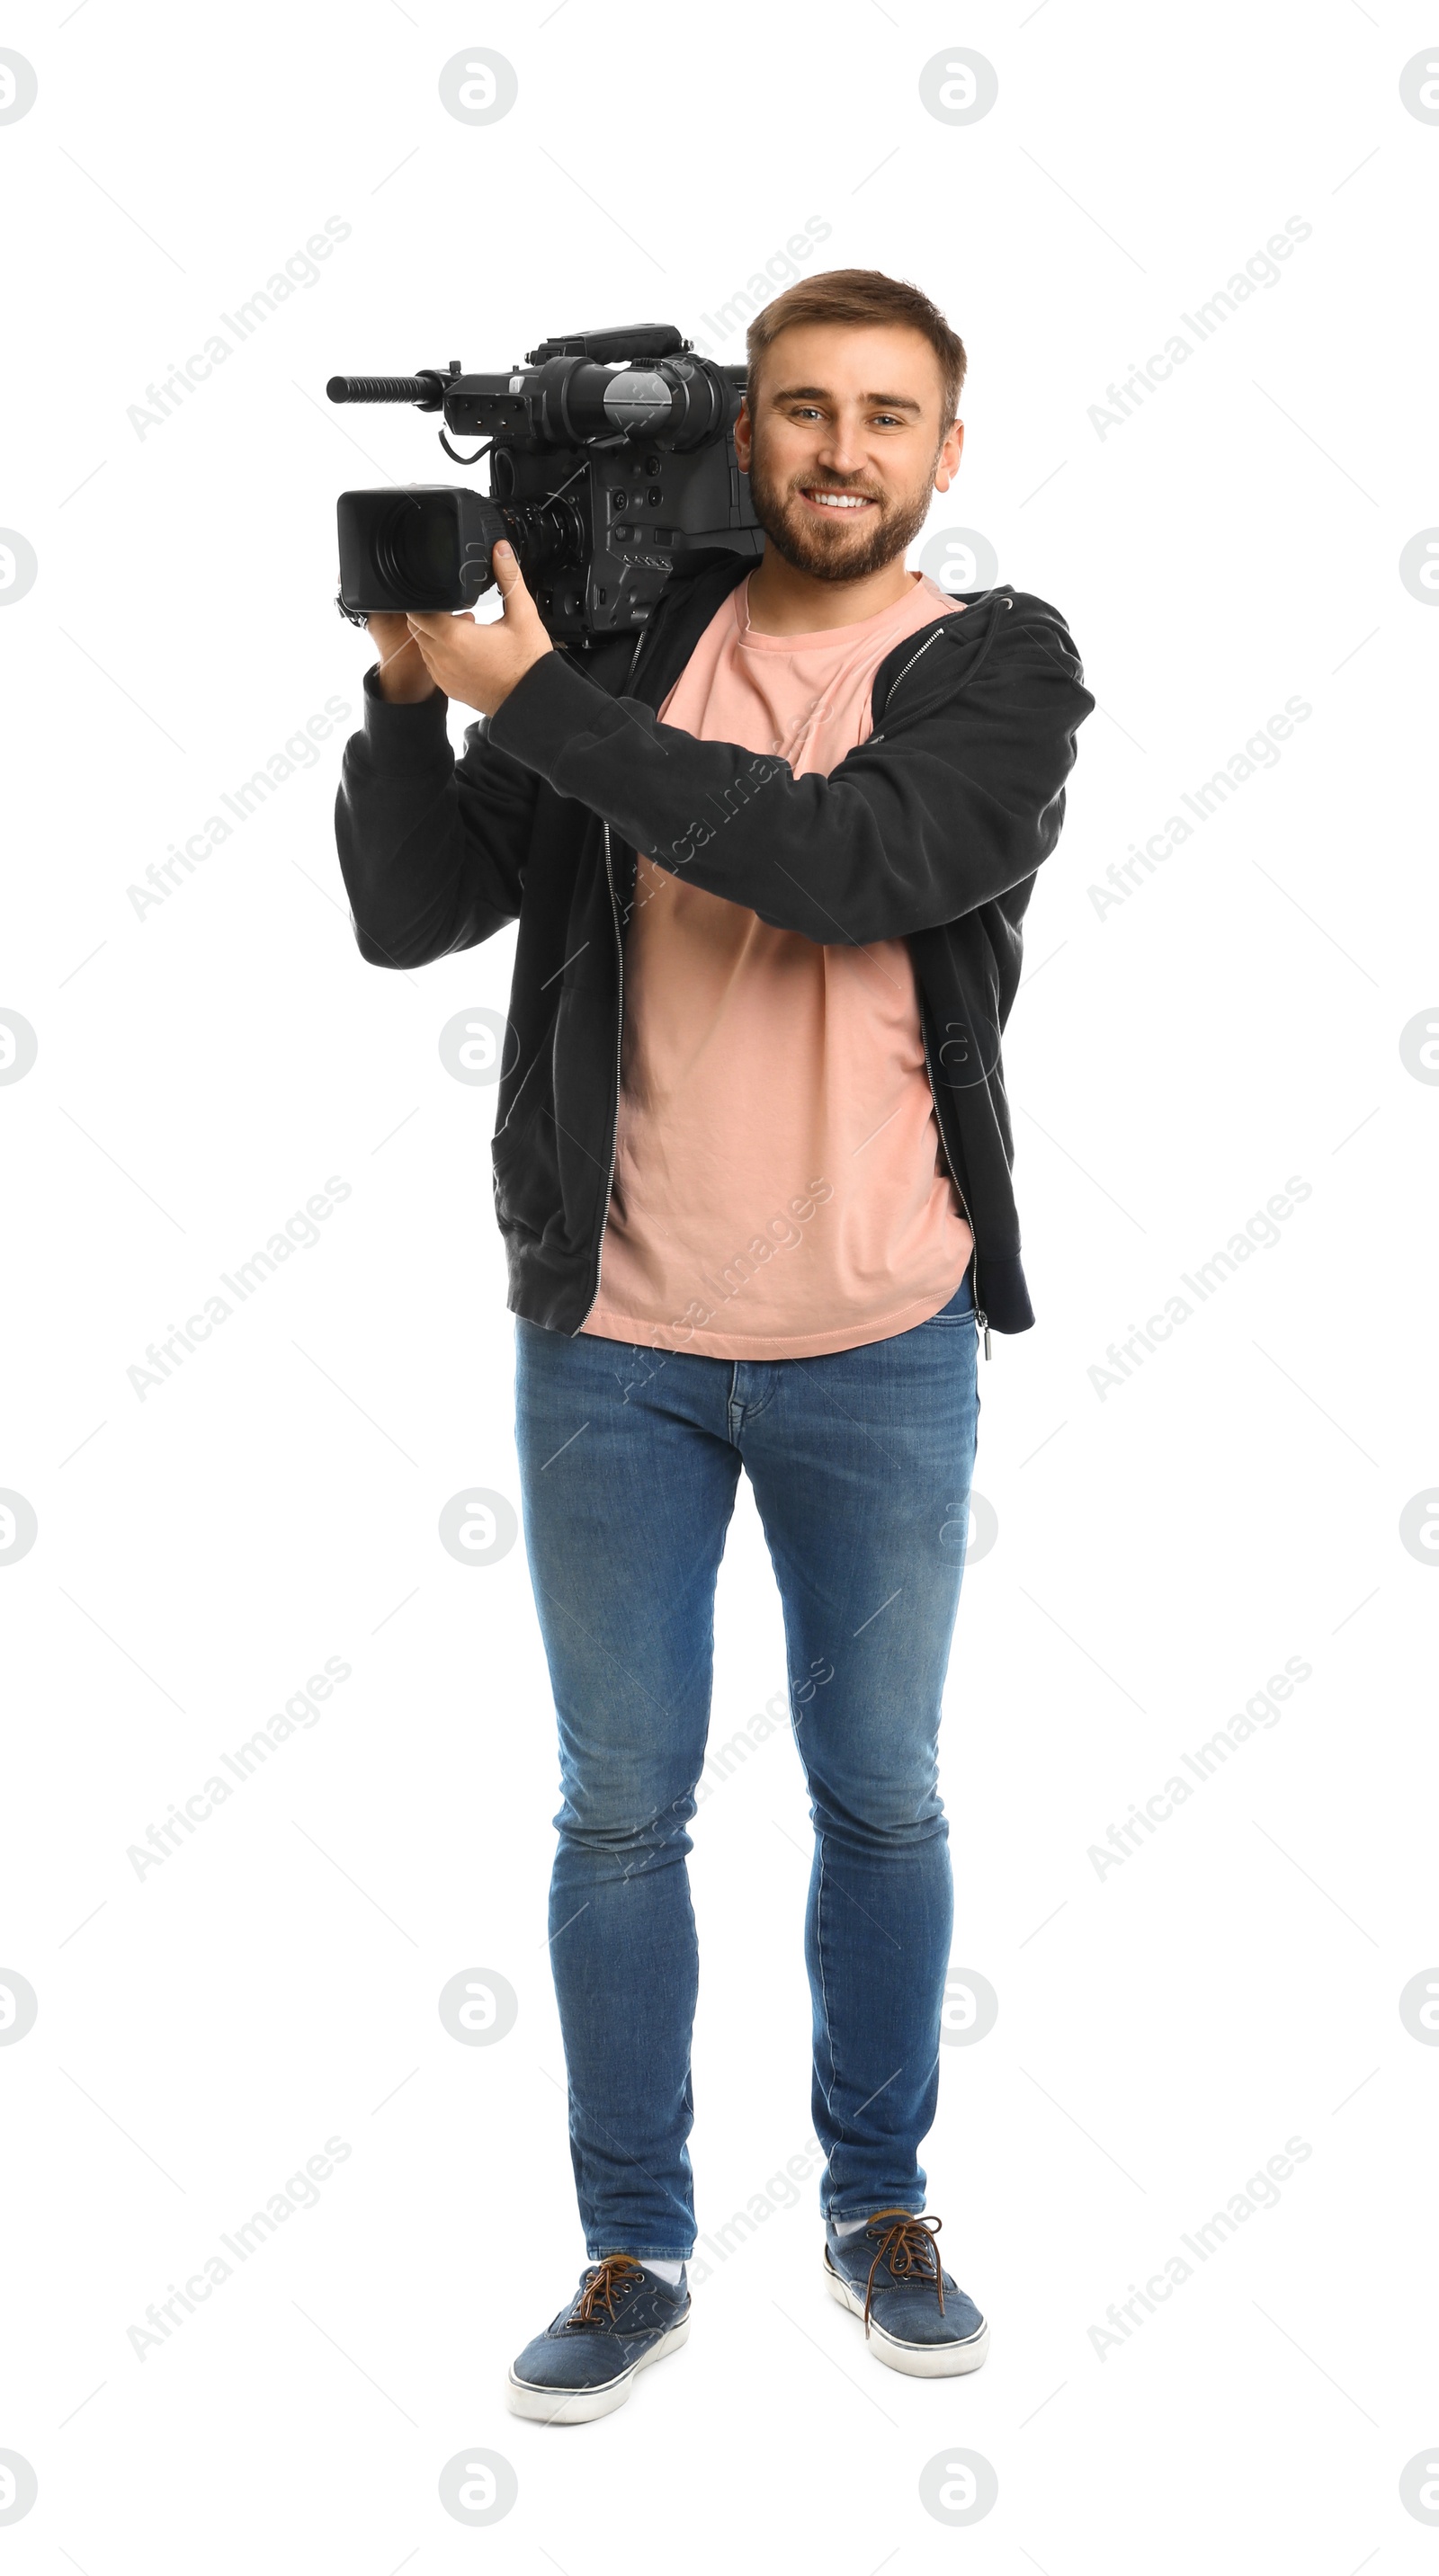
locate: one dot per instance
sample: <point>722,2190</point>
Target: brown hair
<point>863,295</point>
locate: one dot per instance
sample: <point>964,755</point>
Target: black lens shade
<point>425,545</point>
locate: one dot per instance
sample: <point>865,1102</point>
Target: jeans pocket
<point>960,1310</point>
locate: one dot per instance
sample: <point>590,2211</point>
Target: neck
<point>785,601</point>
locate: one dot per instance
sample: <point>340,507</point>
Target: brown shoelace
<point>911,2251</point>
<point>601,2285</point>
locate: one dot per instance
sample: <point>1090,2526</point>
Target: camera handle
<point>482,450</point>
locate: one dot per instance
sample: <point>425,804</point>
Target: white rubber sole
<point>917,2360</point>
<point>582,2405</point>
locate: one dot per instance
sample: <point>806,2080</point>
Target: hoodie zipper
<point>914,657</point>
<point>904,674</point>
<point>981,1320</point>
<point>619,1043</point>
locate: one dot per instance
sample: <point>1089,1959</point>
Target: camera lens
<point>549,538</point>
<point>416,549</point>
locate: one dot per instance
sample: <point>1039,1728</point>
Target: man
<point>752,1165</point>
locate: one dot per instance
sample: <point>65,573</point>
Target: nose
<point>840,451</point>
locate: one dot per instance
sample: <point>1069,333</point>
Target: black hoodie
<point>931,831</point>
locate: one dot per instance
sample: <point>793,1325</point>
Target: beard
<point>850,549</point>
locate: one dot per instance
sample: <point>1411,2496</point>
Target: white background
<point>1161,1551</point>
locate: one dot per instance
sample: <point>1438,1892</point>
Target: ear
<point>950,453</point>
<point>743,436</point>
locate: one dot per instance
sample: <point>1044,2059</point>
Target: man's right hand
<point>403,679</point>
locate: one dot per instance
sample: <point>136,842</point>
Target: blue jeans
<point>860,1463</point>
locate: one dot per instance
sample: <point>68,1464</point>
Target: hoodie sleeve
<point>431,848</point>
<point>960,803</point>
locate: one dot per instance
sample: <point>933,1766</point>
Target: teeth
<point>839,500</point>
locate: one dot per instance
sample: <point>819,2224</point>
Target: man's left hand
<point>480,665</point>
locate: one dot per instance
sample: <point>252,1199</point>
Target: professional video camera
<point>611,452</point>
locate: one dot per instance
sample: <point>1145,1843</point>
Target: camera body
<point>610,453</point>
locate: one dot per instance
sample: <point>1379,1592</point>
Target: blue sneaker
<point>916,2318</point>
<point>620,2320</point>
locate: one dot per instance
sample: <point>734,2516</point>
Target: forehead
<point>852,360</point>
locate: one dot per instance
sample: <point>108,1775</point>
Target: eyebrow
<point>821,393</point>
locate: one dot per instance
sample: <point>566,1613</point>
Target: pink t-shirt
<point>780,1188</point>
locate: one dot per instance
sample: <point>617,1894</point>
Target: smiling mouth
<point>836,505</point>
